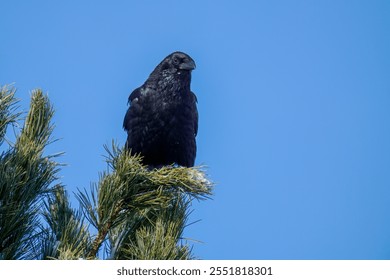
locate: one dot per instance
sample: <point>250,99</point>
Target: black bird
<point>162,120</point>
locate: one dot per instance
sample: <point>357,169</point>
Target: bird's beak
<point>188,65</point>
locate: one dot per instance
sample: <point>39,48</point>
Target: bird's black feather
<point>162,120</point>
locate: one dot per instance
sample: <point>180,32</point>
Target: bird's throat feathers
<point>176,82</point>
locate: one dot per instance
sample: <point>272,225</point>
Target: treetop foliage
<point>132,212</point>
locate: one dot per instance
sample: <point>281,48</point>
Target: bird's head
<point>174,70</point>
<point>178,62</point>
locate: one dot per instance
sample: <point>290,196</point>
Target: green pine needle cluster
<point>25,175</point>
<point>132,212</point>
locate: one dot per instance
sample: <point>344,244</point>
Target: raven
<point>162,120</point>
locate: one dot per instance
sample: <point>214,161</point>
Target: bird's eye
<point>175,60</point>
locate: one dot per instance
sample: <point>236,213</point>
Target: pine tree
<point>130,213</point>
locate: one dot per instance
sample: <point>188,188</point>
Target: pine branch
<point>159,235</point>
<point>67,235</point>
<point>25,177</point>
<point>8,104</point>
<point>131,192</point>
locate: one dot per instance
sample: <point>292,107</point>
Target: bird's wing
<point>195,112</point>
<point>126,120</point>
<point>132,97</point>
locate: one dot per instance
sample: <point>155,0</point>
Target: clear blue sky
<point>294,104</point>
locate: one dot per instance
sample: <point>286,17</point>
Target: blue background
<point>294,104</point>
